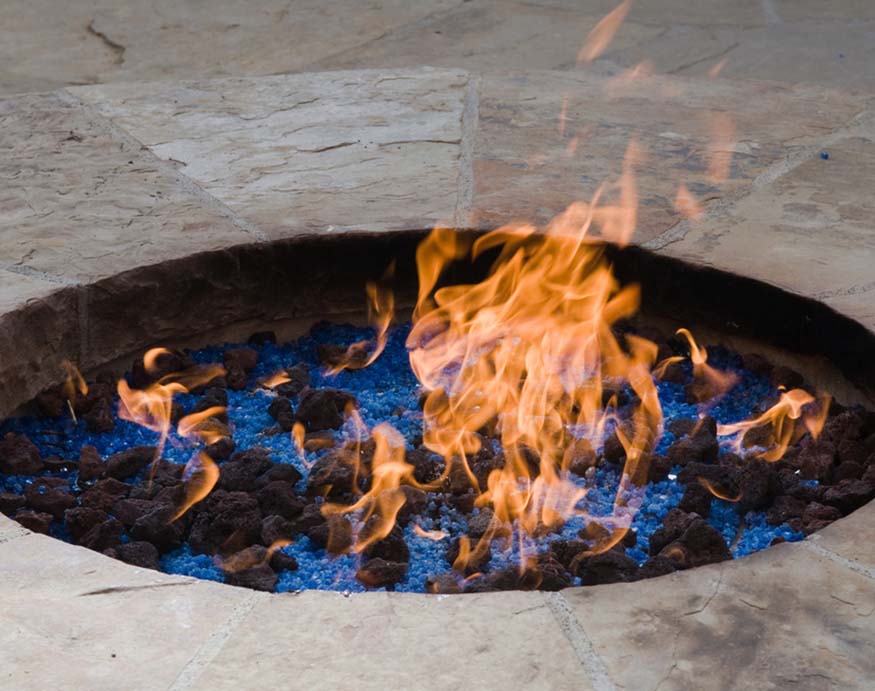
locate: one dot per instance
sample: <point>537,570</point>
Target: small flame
<point>275,379</point>
<point>686,204</point>
<point>782,418</point>
<point>601,36</point>
<point>721,147</point>
<point>203,425</point>
<point>434,535</point>
<point>247,559</point>
<point>708,485</point>
<point>715,71</point>
<point>201,475</point>
<point>710,384</point>
<point>381,310</point>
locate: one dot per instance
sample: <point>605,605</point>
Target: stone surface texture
<point>105,176</point>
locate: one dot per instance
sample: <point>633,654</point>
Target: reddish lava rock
<point>19,456</point>
<point>378,572</point>
<point>80,520</point>
<point>91,465</point>
<point>139,553</point>
<point>50,495</point>
<point>321,409</point>
<point>127,463</point>
<point>699,447</point>
<point>608,567</point>
<point>10,503</point>
<point>443,584</point>
<point>36,521</point>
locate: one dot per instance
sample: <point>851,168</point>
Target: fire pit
<point>531,430</point>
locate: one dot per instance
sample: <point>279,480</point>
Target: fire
<point>721,147</point>
<point>433,535</point>
<point>381,310</point>
<point>601,36</point>
<point>709,384</point>
<point>708,485</point>
<point>686,204</point>
<point>782,419</point>
<point>201,474</point>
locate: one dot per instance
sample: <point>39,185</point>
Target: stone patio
<point>105,180</point>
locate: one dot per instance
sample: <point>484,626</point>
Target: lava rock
<point>333,534</point>
<point>105,535</point>
<point>332,475</point>
<point>221,449</point>
<point>81,519</point>
<point>51,402</point>
<point>580,457</point>
<point>554,577</point>
<point>129,511</point>
<point>567,552</point>
<point>784,509</point>
<point>91,465</point>
<point>696,499</point>
<point>244,358</point>
<point>278,472</point>
<point>849,495</point>
<point>279,498</point>
<point>104,493</point>
<point>673,526</point>
<point>241,473</point>
<point>156,527</point>
<point>607,567</point>
<point>213,397</point>
<point>699,544</point>
<point>99,418</point>
<point>225,521</point>
<point>139,553</point>
<point>699,447</point>
<point>659,468</point>
<point>681,427</point>
<point>815,459</point>
<point>280,561</point>
<point>443,584</point>
<point>129,462</point>
<point>299,379</point>
<point>235,378</point>
<point>391,548</point>
<point>817,516</point>
<point>37,521</point>
<point>656,566</point>
<point>613,450</point>
<point>10,503</point>
<point>427,466</point>
<point>19,455</point>
<point>275,528</point>
<point>280,409</point>
<point>50,495</point>
<point>321,409</point>
<point>477,559</point>
<point>758,484</point>
<point>377,572</point>
<point>167,362</point>
<point>260,577</point>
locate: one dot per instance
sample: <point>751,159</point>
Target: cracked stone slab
<point>45,45</point>
<point>385,640</point>
<point>80,204</point>
<point>810,231</point>
<point>99,621</point>
<point>547,139</point>
<point>852,538</point>
<point>302,153</point>
<point>783,617</point>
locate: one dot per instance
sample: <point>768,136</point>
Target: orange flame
<point>708,485</point>
<point>686,204</point>
<point>601,36</point>
<point>275,379</point>
<point>710,384</point>
<point>203,425</point>
<point>782,418</point>
<point>721,147</point>
<point>381,310</point>
<point>715,71</point>
<point>202,475</point>
<point>434,535</point>
<point>247,559</point>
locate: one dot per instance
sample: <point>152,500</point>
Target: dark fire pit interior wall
<point>311,278</point>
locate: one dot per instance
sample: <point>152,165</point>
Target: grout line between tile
<point>849,564</point>
<point>581,644</point>
<point>183,181</point>
<point>470,122</point>
<point>213,645</point>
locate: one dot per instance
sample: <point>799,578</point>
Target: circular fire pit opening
<point>247,445</point>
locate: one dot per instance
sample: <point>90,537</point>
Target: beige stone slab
<point>45,44</point>
<point>810,231</point>
<point>345,150</point>
<point>532,156</point>
<point>80,204</point>
<point>381,641</point>
<point>9,529</point>
<point>785,617</point>
<point>39,328</point>
<point>74,619</point>
<point>488,35</point>
<point>853,537</point>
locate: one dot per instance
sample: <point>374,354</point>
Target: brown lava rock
<point>241,473</point>
<point>279,498</point>
<point>321,409</point>
<point>156,527</point>
<point>19,456</point>
<point>333,534</point>
<point>391,548</point>
<point>80,520</point>
<point>696,499</point>
<point>225,522</point>
<point>261,577</point>
<point>608,567</point>
<point>50,495</point>
<point>37,521</point>
<point>10,503</point>
<point>91,465</point>
<point>280,409</point>
<point>127,463</point>
<point>699,447</point>
<point>299,379</point>
<point>378,572</point>
<point>138,553</point>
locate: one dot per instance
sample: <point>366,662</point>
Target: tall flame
<point>601,36</point>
